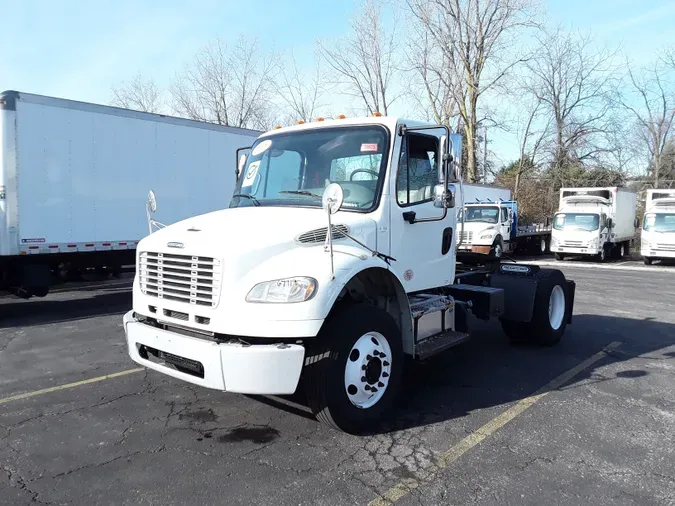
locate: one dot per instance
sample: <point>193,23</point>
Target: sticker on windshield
<point>261,148</point>
<point>251,173</point>
<point>368,148</point>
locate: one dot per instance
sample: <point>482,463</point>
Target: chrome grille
<point>573,244</point>
<point>319,235</point>
<point>181,278</point>
<point>666,247</point>
<point>466,236</point>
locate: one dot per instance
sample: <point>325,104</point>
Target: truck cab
<point>488,227</point>
<point>658,226</point>
<point>334,260</point>
<point>597,222</point>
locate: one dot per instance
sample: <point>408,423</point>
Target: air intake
<point>319,235</point>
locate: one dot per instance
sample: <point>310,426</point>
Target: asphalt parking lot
<point>467,428</point>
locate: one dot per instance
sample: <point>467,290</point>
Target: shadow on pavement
<point>28,313</point>
<point>488,371</point>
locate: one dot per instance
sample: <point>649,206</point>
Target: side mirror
<point>510,214</point>
<point>242,163</point>
<point>637,223</point>
<point>152,202</point>
<point>610,224</point>
<point>242,155</point>
<point>444,197</point>
<point>443,158</point>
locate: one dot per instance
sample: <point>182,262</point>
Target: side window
<point>417,170</point>
<point>505,215</point>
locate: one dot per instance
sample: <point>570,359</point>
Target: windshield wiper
<point>250,197</point>
<point>302,192</point>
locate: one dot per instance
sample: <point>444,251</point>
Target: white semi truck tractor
<point>597,222</point>
<point>334,261</point>
<point>658,226</point>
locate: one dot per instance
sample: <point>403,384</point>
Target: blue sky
<point>79,49</point>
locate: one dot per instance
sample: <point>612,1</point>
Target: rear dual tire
<point>549,316</point>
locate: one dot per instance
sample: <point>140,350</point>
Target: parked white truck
<point>335,259</point>
<point>492,225</point>
<point>67,176</point>
<point>658,226</point>
<point>597,222</point>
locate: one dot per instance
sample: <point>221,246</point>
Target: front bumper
<point>475,248</point>
<point>269,369</point>
<point>594,250</point>
<point>657,253</point>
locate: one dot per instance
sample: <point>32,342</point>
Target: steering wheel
<point>351,176</point>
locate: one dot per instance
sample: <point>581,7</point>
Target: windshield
<point>662,222</point>
<point>576,221</point>
<point>293,169</point>
<point>487,214</point>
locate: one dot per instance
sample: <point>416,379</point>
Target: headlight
<point>283,291</point>
<point>554,242</point>
<point>486,236</point>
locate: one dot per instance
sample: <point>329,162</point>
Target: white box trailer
<point>594,221</point>
<point>74,178</point>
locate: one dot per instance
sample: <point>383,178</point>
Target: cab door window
<point>417,170</point>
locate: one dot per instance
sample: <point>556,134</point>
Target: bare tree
<point>228,85</point>
<point>475,38</point>
<point>656,110</point>
<point>575,83</point>
<point>433,74</point>
<point>299,90</point>
<point>532,133</point>
<point>364,62</point>
<point>139,94</point>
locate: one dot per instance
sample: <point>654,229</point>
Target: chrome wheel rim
<point>368,370</point>
<point>556,307</point>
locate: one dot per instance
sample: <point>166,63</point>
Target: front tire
<point>647,260</point>
<point>354,368</point>
<point>497,248</point>
<point>559,256</point>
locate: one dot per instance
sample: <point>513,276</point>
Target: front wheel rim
<point>368,370</point>
<point>543,245</point>
<point>556,307</point>
<point>498,250</point>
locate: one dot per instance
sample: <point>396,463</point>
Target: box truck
<point>73,174</point>
<point>344,267</point>
<point>491,224</point>
<point>658,226</point>
<point>597,222</point>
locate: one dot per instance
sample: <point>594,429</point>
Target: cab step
<point>427,303</point>
<point>438,343</point>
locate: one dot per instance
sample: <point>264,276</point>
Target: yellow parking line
<point>404,487</point>
<point>69,385</point>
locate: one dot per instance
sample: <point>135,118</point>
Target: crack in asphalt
<point>17,481</point>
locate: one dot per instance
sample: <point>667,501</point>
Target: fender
<point>391,286</point>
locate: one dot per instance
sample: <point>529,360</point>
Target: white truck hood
<point>236,232</point>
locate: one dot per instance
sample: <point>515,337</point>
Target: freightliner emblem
<point>175,245</point>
